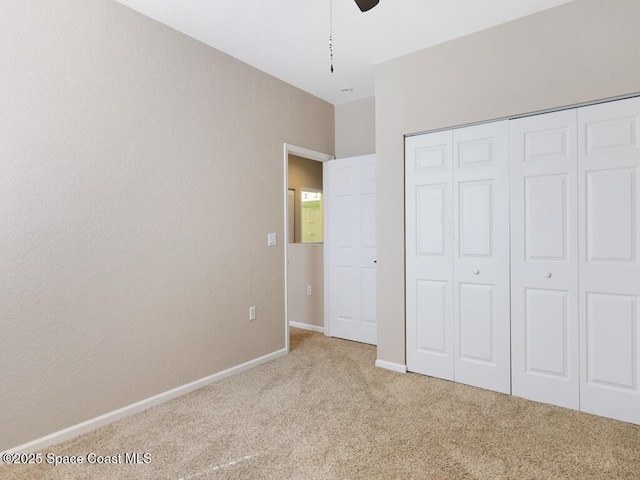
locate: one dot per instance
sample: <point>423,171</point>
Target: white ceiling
<point>289,39</point>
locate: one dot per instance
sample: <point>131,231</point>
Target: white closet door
<point>429,254</point>
<point>351,202</point>
<point>544,260</point>
<point>609,196</point>
<point>481,256</point>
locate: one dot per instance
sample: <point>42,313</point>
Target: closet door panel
<point>429,254</point>
<point>481,256</point>
<point>475,219</point>
<point>431,317</point>
<point>611,323</point>
<point>545,217</point>
<point>610,238</point>
<point>609,196</point>
<point>545,332</point>
<point>544,259</point>
<point>477,324</point>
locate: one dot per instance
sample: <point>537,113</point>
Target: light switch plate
<point>271,239</point>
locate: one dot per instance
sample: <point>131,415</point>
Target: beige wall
<point>579,52</point>
<point>140,172</point>
<point>305,268</point>
<point>303,173</point>
<point>356,128</point>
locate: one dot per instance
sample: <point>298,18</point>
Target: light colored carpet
<point>325,412</point>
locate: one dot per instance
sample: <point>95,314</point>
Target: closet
<point>522,268</point>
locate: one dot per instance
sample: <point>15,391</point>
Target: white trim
<point>325,247</point>
<point>92,424</point>
<point>320,157</point>
<point>394,367</point>
<point>306,326</point>
<point>307,153</point>
<point>286,245</point>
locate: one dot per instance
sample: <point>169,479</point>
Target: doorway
<point>301,289</point>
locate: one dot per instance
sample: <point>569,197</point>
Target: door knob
<point>548,275</point>
<point>476,272</point>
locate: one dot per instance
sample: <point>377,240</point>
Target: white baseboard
<point>84,427</point>
<point>306,326</point>
<point>394,367</point>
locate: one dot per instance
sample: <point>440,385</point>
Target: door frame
<point>319,157</point>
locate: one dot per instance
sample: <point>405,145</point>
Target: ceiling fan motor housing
<point>365,5</point>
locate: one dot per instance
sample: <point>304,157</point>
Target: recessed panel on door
<point>344,175</point>
<point>611,215</point>
<point>545,217</point>
<point>344,288</point>
<point>476,152</point>
<point>368,295</point>
<point>546,333</point>
<point>477,321</point>
<point>344,223</point>
<point>431,313</point>
<point>612,346</point>
<point>613,135</point>
<point>430,158</point>
<point>429,219</point>
<point>368,219</point>
<point>476,218</point>
<point>546,144</point>
<point>367,174</point>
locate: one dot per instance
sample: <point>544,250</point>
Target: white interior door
<point>609,196</point>
<point>350,198</point>
<point>481,294</point>
<point>429,254</point>
<point>544,260</point>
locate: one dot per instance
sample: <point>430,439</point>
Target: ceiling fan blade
<point>365,5</point>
